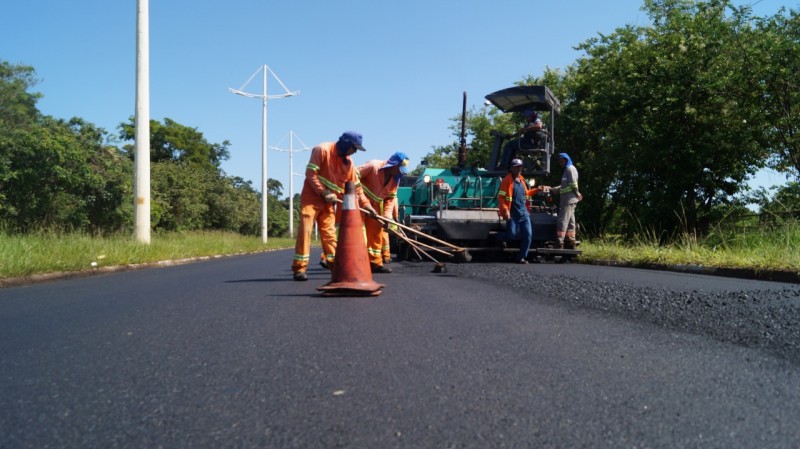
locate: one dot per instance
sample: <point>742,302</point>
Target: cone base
<point>351,289</point>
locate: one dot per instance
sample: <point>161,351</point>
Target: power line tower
<point>264,97</point>
<point>291,152</point>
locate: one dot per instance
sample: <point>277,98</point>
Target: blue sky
<point>392,70</point>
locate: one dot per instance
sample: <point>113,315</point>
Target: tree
<point>234,205</point>
<point>61,175</point>
<point>17,105</point>
<point>659,116</point>
<point>777,55</point>
<point>190,191</point>
<point>175,142</point>
<point>17,110</point>
<point>784,204</point>
<point>274,188</point>
<point>179,193</point>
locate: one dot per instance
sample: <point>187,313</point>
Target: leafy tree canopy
<point>17,104</point>
<point>172,141</point>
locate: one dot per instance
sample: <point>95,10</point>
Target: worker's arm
<point>312,171</point>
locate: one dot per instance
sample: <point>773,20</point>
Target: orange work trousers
<point>323,214</point>
<point>387,252</point>
<point>374,233</point>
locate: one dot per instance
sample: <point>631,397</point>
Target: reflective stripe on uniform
<point>371,195</point>
<point>331,186</point>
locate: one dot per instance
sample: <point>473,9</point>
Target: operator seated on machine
<point>532,135</point>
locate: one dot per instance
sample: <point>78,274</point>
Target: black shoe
<point>300,276</point>
<point>569,244</point>
<point>380,269</point>
<point>324,264</point>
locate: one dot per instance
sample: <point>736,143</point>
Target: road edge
<point>784,276</point>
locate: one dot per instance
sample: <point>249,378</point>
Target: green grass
<point>775,248</point>
<point>23,255</point>
<point>772,248</point>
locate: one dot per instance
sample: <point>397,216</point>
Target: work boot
<point>569,244</point>
<point>324,264</point>
<point>560,244</point>
<point>300,276</point>
<point>380,269</point>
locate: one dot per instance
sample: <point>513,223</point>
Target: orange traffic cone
<point>351,274</point>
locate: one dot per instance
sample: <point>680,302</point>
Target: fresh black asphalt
<point>231,353</point>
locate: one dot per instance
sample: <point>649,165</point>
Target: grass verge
<point>24,255</point>
<point>776,248</point>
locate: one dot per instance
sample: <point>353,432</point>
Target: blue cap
<point>400,159</point>
<point>352,138</point>
<point>516,162</point>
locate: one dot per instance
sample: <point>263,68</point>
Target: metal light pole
<point>291,179</point>
<point>264,97</point>
<point>141,155</point>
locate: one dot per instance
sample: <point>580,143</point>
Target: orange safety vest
<point>506,192</point>
<point>382,194</point>
<point>326,170</point>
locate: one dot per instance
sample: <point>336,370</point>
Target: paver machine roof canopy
<point>506,147</point>
<point>519,98</point>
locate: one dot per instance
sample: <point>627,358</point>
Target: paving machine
<point>459,204</point>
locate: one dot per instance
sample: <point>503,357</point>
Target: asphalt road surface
<point>231,353</point>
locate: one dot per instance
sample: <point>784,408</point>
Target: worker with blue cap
<point>380,180</point>
<point>569,197</point>
<point>329,169</point>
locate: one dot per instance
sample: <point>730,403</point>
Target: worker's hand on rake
<point>390,226</point>
<point>369,210</point>
<point>329,196</point>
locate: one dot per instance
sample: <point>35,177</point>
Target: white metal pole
<point>264,172</point>
<point>141,155</point>
<point>291,185</point>
<point>264,237</point>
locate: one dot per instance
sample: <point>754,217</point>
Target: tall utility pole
<point>264,97</point>
<point>141,155</point>
<point>291,177</point>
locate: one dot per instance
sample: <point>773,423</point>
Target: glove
<point>329,196</point>
<point>371,212</point>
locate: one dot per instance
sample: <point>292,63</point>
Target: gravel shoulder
<point>756,314</point>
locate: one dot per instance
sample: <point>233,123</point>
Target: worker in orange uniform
<point>380,180</point>
<point>512,199</point>
<point>387,250</point>
<point>328,169</point>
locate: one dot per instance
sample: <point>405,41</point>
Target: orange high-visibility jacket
<point>326,170</point>
<point>383,194</point>
<point>504,195</point>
